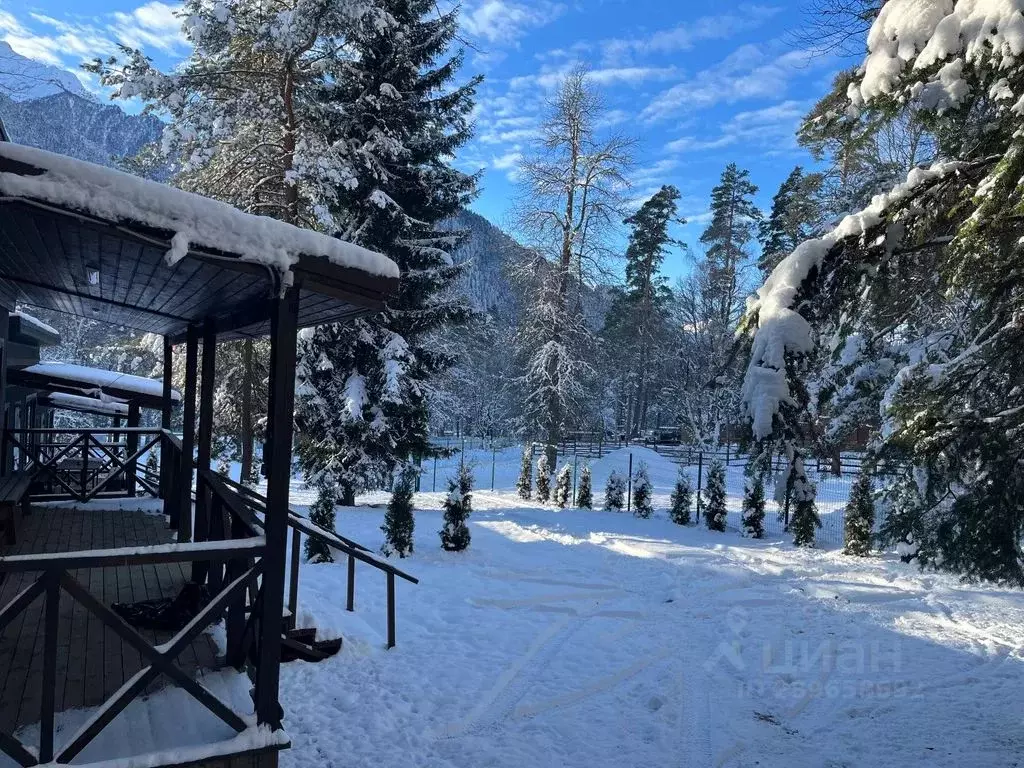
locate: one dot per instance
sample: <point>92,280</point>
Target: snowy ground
<point>592,639</point>
<point>578,638</point>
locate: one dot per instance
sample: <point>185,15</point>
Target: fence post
<point>728,445</point>
<point>494,459</point>
<point>434,487</point>
<point>600,442</point>
<point>629,485</point>
<point>700,480</point>
<point>575,461</point>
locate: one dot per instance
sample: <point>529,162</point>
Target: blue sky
<point>699,84</point>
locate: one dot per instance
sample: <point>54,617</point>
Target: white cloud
<point>153,25</point>
<point>506,161</point>
<point>745,74</point>
<point>503,22</point>
<point>772,126</point>
<point>685,36</point>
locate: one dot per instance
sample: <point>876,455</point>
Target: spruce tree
<point>804,521</point>
<point>642,489</point>
<point>457,508</point>
<point>682,499</point>
<point>585,495</point>
<point>399,523</point>
<point>794,217</point>
<point>859,523</point>
<point>321,514</point>
<point>753,507</point>
<point>543,478</point>
<point>524,484</point>
<point>402,117</point>
<point>615,492</point>
<point>563,487</point>
<point>715,512</point>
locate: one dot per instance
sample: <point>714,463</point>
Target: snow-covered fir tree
<point>681,499</point>
<point>585,494</point>
<point>615,492</point>
<point>399,523</point>
<point>643,504</point>
<point>715,511</point>
<point>563,487</point>
<point>859,521</point>
<point>752,517</point>
<point>402,118</point>
<point>457,507</point>
<point>543,478</point>
<point>321,514</point>
<point>524,483</point>
<point>927,276</point>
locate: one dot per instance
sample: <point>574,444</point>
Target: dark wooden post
<point>5,317</point>
<point>131,446</point>
<point>165,423</point>
<point>188,435</point>
<point>283,331</point>
<point>206,381</point>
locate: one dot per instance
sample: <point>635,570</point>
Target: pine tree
<point>642,490</point>
<point>682,499</point>
<point>859,522</point>
<point>457,508</point>
<point>753,507</point>
<point>637,332</point>
<point>399,523</point>
<point>585,496</point>
<point>804,521</point>
<point>524,484</point>
<point>321,514</point>
<point>403,118</point>
<point>543,479</point>
<point>734,220</point>
<point>794,218</point>
<point>615,492</point>
<point>563,487</point>
<point>715,511</point>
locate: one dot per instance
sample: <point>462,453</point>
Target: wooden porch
<point>92,660</point>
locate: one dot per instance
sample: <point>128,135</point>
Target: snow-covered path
<point>579,638</point>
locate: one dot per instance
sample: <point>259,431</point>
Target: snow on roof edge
<point>35,322</point>
<point>74,402</point>
<point>100,377</point>
<point>196,220</point>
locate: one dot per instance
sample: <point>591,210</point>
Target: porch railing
<point>231,562</point>
<point>353,552</point>
<point>84,464</point>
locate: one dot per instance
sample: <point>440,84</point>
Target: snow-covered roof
<point>36,323</point>
<point>90,404</point>
<point>196,221</point>
<point>98,377</point>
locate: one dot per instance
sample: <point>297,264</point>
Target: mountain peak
<point>22,78</point>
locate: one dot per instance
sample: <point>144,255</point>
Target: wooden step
<point>301,644</point>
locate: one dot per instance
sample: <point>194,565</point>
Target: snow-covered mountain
<point>47,107</point>
<point>487,249</point>
<point>23,79</point>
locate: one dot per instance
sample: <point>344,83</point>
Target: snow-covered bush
<point>585,496</point>
<point>563,487</point>
<point>321,514</point>
<point>753,507</point>
<point>399,523</point>
<point>457,508</point>
<point>524,484</point>
<point>682,498</point>
<point>615,492</point>
<point>714,498</point>
<point>543,478</point>
<point>860,517</point>
<point>642,490</point>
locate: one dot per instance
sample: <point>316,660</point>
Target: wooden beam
<point>188,435</point>
<point>206,381</point>
<point>132,447</point>
<point>165,424</point>
<point>5,319</point>
<point>284,330</point>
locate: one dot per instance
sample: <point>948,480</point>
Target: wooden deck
<point>92,661</point>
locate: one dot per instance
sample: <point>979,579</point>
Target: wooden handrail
<point>216,551</point>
